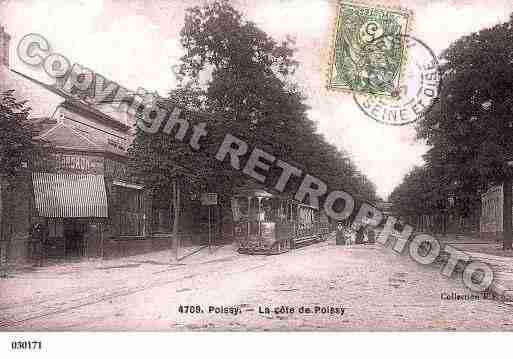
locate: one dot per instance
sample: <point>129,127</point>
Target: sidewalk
<point>186,255</point>
<point>35,292</point>
<point>488,251</point>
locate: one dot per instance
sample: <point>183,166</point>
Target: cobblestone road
<point>377,290</point>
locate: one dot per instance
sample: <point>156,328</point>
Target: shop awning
<point>70,195</point>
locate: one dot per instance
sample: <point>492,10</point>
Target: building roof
<point>41,101</point>
<point>78,103</point>
<point>44,100</point>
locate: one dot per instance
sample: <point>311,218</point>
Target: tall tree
<point>236,72</point>
<point>18,149</point>
<point>470,129</point>
<point>251,85</point>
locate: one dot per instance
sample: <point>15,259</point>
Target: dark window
<point>129,211</point>
<point>55,228</point>
<point>240,208</point>
<point>162,213</point>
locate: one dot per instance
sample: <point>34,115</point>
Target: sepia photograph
<point>250,166</point>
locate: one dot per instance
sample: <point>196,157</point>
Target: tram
<point>265,223</point>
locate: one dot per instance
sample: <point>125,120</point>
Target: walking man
<point>39,237</point>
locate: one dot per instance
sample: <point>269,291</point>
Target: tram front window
<point>240,208</point>
<point>267,210</point>
<point>279,207</point>
<point>254,210</point>
<point>258,210</point>
<point>263,210</point>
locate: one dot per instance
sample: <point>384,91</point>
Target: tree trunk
<point>506,225</point>
<point>176,207</point>
<point>2,246</point>
<point>1,212</point>
<point>172,206</point>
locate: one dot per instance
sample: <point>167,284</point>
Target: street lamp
<point>506,208</point>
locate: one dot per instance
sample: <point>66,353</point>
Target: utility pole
<point>507,213</point>
<point>209,231</point>
<point>2,248</point>
<point>176,208</point>
<point>102,243</point>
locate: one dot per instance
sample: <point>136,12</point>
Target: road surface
<point>319,287</point>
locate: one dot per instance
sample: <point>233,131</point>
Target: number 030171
<point>26,345</point>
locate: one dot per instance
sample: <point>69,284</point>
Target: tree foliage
<point>243,78</point>
<point>18,149</point>
<point>471,127</point>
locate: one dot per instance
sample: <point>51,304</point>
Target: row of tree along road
<point>250,92</point>
<point>470,131</point>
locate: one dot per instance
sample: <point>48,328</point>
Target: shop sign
<point>79,163</point>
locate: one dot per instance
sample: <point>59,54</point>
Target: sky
<point>136,43</point>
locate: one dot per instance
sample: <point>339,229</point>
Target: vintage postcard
<point>249,166</point>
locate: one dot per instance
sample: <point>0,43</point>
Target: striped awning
<point>70,195</point>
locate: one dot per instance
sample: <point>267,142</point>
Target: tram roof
<point>247,192</point>
<point>253,192</point>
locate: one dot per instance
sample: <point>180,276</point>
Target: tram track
<point>55,304</point>
<point>41,300</point>
<point>6,323</point>
<point>14,321</point>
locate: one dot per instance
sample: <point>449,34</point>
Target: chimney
<point>5,39</point>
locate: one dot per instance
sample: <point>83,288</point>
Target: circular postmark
<point>418,89</point>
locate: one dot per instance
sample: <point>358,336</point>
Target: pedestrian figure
<point>350,235</point>
<point>39,238</point>
<point>360,235</point>
<point>371,235</point>
<point>341,234</point>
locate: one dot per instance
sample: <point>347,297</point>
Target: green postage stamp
<point>368,52</point>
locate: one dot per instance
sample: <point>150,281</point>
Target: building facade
<point>491,220</point>
<point>83,194</point>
